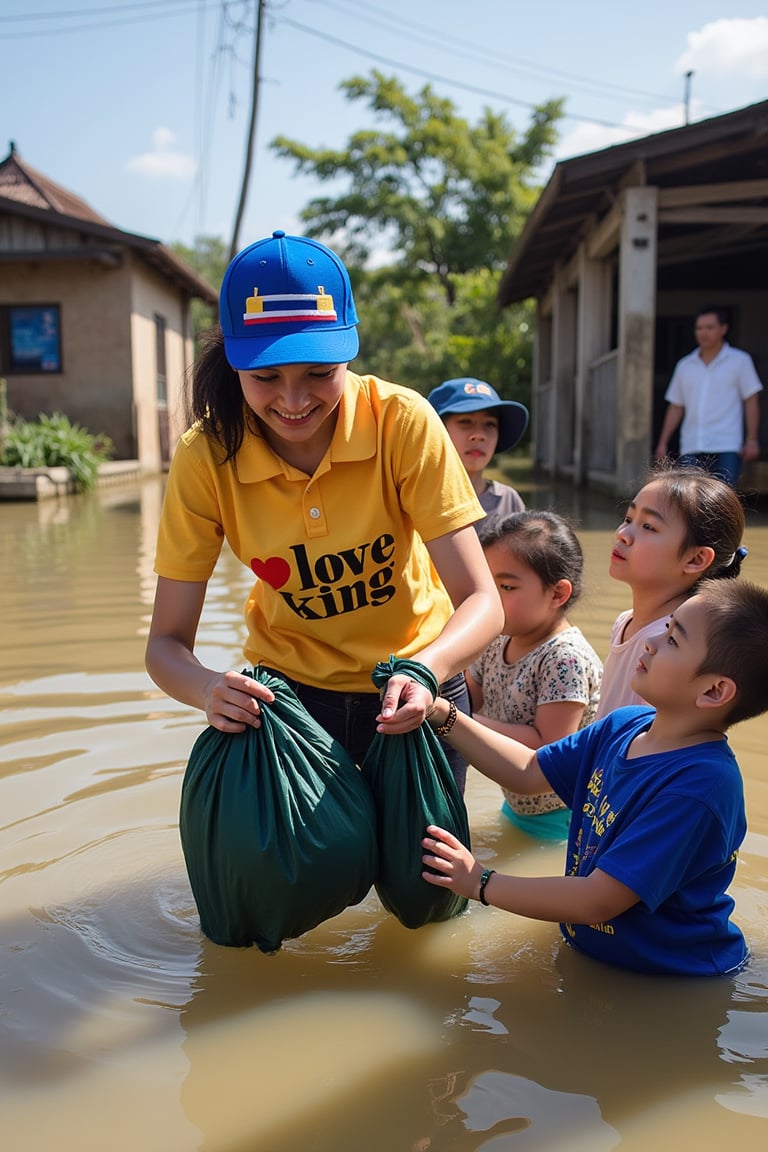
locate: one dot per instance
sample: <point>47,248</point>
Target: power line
<point>206,86</point>
<point>110,9</point>
<point>482,53</point>
<point>260,6</point>
<point>137,14</point>
<point>449,80</point>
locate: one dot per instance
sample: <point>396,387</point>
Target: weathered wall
<point>153,296</point>
<point>95,386</point>
<point>108,382</point>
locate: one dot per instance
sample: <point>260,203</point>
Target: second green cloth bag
<point>412,786</point>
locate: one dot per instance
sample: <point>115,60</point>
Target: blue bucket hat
<point>287,300</point>
<point>469,395</point>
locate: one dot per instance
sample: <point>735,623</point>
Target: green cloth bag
<point>277,826</point>
<point>412,786</point>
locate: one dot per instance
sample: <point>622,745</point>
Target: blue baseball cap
<point>469,395</point>
<point>287,300</point>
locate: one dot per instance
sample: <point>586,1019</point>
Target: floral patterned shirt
<point>563,668</point>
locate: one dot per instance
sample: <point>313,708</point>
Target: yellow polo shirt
<point>342,574</point>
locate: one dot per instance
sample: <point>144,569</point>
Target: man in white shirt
<point>714,396</point>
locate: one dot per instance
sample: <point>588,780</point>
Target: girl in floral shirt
<point>540,679</point>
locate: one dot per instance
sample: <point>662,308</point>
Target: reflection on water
<point>122,1028</point>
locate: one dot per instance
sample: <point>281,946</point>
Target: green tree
<point>209,257</point>
<point>445,196</point>
<point>412,336</point>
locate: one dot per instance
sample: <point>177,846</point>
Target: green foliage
<point>409,335</point>
<point>448,197</point>
<point>53,441</point>
<point>209,258</point>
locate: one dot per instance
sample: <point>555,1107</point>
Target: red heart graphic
<point>275,570</point>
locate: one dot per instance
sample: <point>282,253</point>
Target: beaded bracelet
<point>483,881</point>
<point>450,720</point>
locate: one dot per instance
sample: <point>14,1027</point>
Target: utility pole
<point>687,98</point>
<point>234,247</point>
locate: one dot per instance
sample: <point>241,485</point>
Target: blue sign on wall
<point>35,339</point>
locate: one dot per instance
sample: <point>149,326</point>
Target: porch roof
<point>725,150</point>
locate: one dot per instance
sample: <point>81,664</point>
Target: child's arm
<point>506,761</point>
<point>563,899</point>
<point>551,722</point>
<point>477,617</point>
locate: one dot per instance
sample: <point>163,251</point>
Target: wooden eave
<point>103,243</point>
<point>707,158</point>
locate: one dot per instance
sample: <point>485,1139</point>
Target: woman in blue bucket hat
<point>340,492</point>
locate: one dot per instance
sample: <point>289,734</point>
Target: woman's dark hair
<point>712,513</point>
<point>545,542</point>
<point>216,396</point>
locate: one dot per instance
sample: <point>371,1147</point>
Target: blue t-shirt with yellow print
<point>668,827</point>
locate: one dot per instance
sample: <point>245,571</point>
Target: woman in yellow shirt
<point>344,496</point>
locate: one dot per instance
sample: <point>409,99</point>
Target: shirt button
<point>314,513</point>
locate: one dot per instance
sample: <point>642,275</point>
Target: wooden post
<point>593,328</point>
<point>637,313</point>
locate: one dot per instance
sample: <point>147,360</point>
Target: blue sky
<point>142,108</point>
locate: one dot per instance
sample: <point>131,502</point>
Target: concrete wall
<point>108,382</point>
<point>95,387</point>
<point>152,296</point>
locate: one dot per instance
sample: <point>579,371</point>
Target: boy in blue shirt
<point>656,793</point>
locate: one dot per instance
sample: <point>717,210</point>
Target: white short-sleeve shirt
<point>713,397</point>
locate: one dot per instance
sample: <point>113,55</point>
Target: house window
<point>160,360</point>
<point>30,338</point>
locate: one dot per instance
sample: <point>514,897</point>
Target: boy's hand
<point>457,867</point>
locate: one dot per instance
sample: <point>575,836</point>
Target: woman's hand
<point>232,701</point>
<point>454,864</point>
<point>404,705</point>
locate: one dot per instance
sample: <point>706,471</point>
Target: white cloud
<point>589,137</point>
<point>734,47</point>
<point>162,161</point>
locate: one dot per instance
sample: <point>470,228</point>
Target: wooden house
<point>622,247</point>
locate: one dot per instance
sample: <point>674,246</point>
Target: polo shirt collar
<point>354,438</point>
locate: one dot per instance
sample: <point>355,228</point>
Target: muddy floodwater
<point>122,1029</point>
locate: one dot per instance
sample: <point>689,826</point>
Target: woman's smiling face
<point>295,403</point>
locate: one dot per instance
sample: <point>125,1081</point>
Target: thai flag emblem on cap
<point>289,306</point>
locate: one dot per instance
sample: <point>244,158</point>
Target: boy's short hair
<point>717,310</point>
<point>737,642</point>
